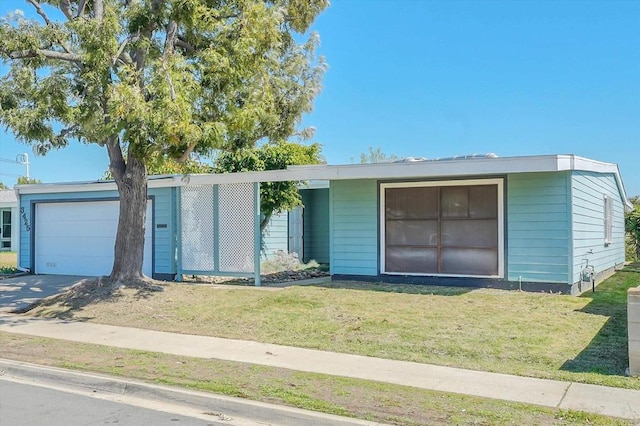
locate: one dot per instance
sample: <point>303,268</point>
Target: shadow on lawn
<point>607,353</point>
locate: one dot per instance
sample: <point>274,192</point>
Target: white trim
<point>500,184</point>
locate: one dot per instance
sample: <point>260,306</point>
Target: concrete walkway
<point>615,402</point>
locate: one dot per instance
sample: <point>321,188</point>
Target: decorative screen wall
<point>218,226</point>
<point>448,230</point>
<point>236,211</point>
<point>197,230</point>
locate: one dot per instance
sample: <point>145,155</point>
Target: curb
<point>230,407</point>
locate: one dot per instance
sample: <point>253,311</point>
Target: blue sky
<point>443,78</point>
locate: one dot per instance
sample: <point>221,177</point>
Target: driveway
<point>19,292</point>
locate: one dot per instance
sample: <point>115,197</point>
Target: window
<point>442,228</point>
<point>5,229</point>
<point>608,220</point>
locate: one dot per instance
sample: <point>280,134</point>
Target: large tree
<point>147,79</point>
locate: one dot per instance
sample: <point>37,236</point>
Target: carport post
<point>257,235</point>
<point>178,239</point>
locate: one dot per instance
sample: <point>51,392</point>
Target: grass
<point>580,339</point>
<point>373,401</point>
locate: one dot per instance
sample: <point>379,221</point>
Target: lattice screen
<point>236,203</point>
<point>197,228</point>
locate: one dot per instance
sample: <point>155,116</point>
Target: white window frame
<point>471,182</point>
<point>608,220</point>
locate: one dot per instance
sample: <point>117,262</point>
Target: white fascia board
<point>323,173</point>
<point>448,168</point>
<point>291,174</point>
<point>49,188</point>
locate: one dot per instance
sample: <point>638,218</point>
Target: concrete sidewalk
<point>615,402</point>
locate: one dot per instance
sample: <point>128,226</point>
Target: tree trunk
<point>129,248</point>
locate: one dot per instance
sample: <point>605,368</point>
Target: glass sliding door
<point>436,229</point>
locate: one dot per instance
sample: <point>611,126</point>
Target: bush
<point>285,261</point>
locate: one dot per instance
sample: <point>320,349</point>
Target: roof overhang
<point>410,170</point>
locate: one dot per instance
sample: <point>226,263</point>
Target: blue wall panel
<point>354,227</point>
<point>538,227</point>
<point>275,236</point>
<point>588,191</point>
<point>316,224</point>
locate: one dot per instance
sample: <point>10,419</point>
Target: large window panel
<point>469,261</point>
<point>412,260</point>
<point>483,201</point>
<point>411,203</point>
<point>412,232</point>
<point>455,201</point>
<point>448,228</point>
<point>470,233</point>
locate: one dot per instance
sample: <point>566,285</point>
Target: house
<point>549,223</point>
<point>8,220</point>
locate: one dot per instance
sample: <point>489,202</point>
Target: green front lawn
<point>531,334</point>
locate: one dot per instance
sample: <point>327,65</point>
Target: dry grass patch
<point>8,260</point>
<point>374,401</point>
<point>531,334</point>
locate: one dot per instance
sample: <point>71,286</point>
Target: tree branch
<point>65,8</point>
<point>39,11</point>
<point>167,75</point>
<point>51,54</point>
<point>42,13</point>
<point>98,10</point>
<point>120,54</point>
<point>170,39</point>
<point>81,5</point>
<point>64,132</point>
<point>185,155</point>
<point>184,45</point>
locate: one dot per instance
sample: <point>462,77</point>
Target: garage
<point>78,238</point>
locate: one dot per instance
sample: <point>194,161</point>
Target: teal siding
<point>316,224</point>
<point>588,190</point>
<point>164,211</point>
<point>275,236</point>
<point>354,227</point>
<point>538,227</point>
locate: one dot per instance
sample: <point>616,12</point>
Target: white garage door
<point>78,238</point>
